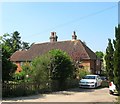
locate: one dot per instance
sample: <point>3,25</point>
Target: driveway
<point>72,95</point>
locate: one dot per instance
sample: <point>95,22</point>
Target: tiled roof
<point>18,55</point>
<point>76,49</point>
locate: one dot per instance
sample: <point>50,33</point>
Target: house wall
<point>86,64</point>
<point>19,69</point>
<point>98,66</point>
<point>91,66</point>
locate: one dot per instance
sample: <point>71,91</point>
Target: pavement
<point>71,95</point>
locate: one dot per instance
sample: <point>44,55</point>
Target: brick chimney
<point>74,36</point>
<point>53,37</point>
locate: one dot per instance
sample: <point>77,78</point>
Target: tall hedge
<point>109,60</point>
<point>117,58</point>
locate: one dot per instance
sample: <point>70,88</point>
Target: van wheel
<point>111,92</point>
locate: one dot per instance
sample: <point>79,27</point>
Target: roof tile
<point>76,49</point>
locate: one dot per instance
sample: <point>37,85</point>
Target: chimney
<point>74,36</point>
<point>53,37</point>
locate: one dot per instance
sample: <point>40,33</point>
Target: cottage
<point>77,50</point>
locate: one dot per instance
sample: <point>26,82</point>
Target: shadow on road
<point>25,98</point>
<point>81,90</point>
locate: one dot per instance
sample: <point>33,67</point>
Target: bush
<point>82,73</point>
<point>24,75</point>
<point>62,67</point>
<point>40,67</point>
<point>105,84</point>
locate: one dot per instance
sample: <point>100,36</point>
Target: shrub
<point>40,67</point>
<point>83,72</point>
<point>24,75</point>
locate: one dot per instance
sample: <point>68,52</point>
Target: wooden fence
<point>24,88</point>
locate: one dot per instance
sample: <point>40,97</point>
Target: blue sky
<point>94,22</point>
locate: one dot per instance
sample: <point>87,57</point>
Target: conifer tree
<point>117,58</point>
<point>109,60</point>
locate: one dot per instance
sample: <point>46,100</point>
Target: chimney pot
<point>53,37</point>
<point>74,36</point>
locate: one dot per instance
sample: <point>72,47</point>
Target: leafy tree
<point>9,44</point>
<point>109,60</point>
<point>15,41</point>
<point>99,54</point>
<point>61,66</point>
<point>55,65</point>
<point>7,66</point>
<point>25,45</point>
<point>40,67</point>
<point>117,58</point>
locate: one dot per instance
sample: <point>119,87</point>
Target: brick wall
<point>18,67</point>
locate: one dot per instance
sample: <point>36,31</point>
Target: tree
<point>40,66</point>
<point>9,44</point>
<point>99,54</point>
<point>117,58</point>
<point>15,41</point>
<point>61,67</point>
<point>109,60</point>
<point>54,65</point>
<point>25,45</point>
<point>7,66</point>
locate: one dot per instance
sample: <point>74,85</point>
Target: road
<point>72,95</point>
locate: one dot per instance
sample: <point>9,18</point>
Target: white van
<point>112,88</point>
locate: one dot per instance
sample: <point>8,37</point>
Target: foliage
<point>7,66</point>
<point>54,65</point>
<point>61,65</point>
<point>83,72</point>
<point>25,45</point>
<point>105,83</point>
<point>117,58</point>
<point>109,60</point>
<point>103,73</point>
<point>15,41</point>
<point>40,67</point>
<point>99,54</point>
<point>25,74</point>
<point>113,59</point>
<point>9,45</point>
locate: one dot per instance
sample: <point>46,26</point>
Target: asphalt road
<point>72,95</point>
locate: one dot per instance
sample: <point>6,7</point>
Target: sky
<point>94,22</point>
